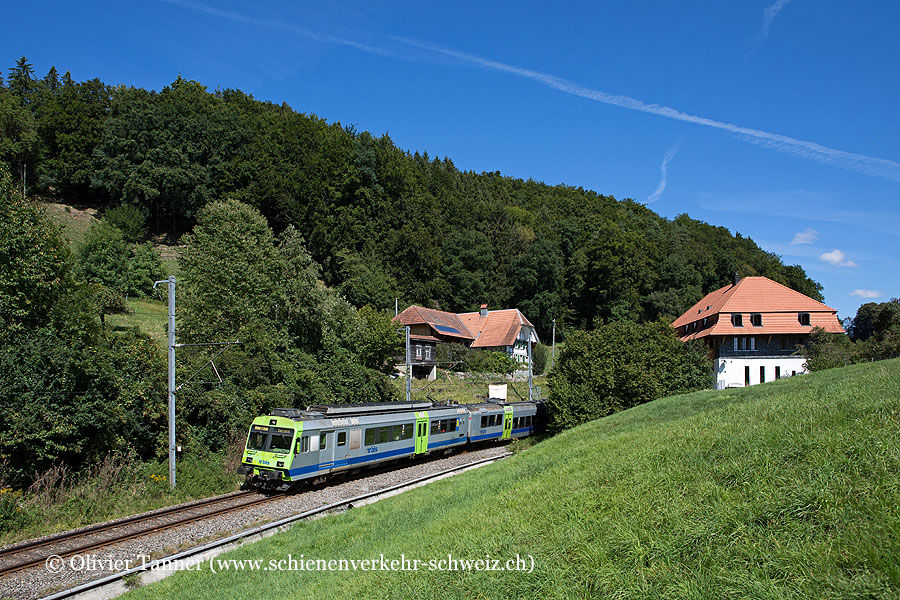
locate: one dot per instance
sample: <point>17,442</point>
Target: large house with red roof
<point>498,330</point>
<point>753,328</point>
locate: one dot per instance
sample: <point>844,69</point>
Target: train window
<point>435,427</point>
<point>342,438</point>
<point>304,444</point>
<point>406,431</point>
<point>382,435</point>
<point>280,443</point>
<point>484,421</point>
<point>370,436</point>
<point>256,440</point>
<point>323,441</point>
<point>395,433</point>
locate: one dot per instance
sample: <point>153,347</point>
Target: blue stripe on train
<point>351,461</point>
<point>390,453</point>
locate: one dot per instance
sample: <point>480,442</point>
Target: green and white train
<point>291,446</point>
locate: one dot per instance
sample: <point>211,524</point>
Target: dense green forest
<point>297,234</point>
<point>381,221</point>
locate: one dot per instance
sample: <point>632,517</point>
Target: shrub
<point>129,220</point>
<point>618,366</point>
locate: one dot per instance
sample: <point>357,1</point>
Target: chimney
<point>484,311</point>
<point>737,279</point>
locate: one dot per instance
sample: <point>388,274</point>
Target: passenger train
<point>290,447</point>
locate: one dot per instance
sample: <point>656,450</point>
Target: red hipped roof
<point>777,304</point>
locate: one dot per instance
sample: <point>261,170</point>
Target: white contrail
<point>662,175</point>
<point>769,15</point>
<point>869,165</point>
<point>861,163</point>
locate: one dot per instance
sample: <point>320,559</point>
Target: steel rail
<point>21,566</point>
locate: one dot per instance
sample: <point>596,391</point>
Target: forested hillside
<point>383,222</point>
<point>296,235</point>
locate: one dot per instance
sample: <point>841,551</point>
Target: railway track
<point>220,545</point>
<point>32,554</point>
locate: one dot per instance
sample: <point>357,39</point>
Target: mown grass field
<point>150,316</point>
<point>788,489</point>
<point>466,390</point>
<point>73,222</point>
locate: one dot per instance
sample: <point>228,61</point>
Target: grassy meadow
<point>787,489</point>
<point>471,387</point>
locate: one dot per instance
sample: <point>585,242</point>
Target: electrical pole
<point>172,389</point>
<point>553,347</point>
<point>530,385</point>
<point>408,368</point>
<point>396,306</point>
<point>171,284</point>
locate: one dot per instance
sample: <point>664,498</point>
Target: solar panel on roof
<point>446,329</point>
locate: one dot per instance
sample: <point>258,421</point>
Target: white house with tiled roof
<point>753,329</point>
<point>505,330</point>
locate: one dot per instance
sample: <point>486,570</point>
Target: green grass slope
<point>788,489</point>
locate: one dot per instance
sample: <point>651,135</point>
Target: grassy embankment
<point>788,489</point>
<point>61,500</point>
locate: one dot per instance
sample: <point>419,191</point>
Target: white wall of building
<point>731,372</point>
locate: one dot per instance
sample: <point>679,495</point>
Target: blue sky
<point>775,118</point>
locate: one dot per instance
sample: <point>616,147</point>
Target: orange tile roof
<point>498,328</point>
<point>776,303</point>
<point>443,323</point>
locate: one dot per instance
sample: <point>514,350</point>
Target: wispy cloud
<point>662,174</point>
<point>769,14</point>
<point>867,293</point>
<point>837,258</point>
<point>807,236</point>
<point>869,165</point>
<point>805,205</point>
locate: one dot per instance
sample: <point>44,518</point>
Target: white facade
<point>519,351</point>
<point>739,371</point>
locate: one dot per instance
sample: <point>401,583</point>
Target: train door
<point>421,432</point>
<point>507,422</point>
<point>326,449</point>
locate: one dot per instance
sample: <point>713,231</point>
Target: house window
<point>762,374</point>
<point>803,318</point>
<point>753,344</point>
<point>418,351</point>
<point>427,352</point>
<point>737,320</point>
<point>735,344</point>
<point>756,320</point>
<point>746,375</point>
<point>777,372</point>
